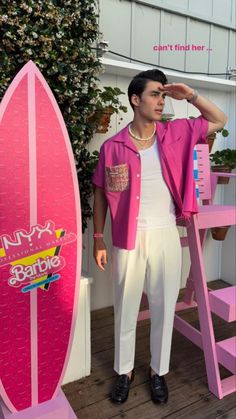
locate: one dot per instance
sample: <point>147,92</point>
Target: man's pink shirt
<point>118,173</point>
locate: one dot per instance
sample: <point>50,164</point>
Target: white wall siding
<point>197,33</point>
<point>183,4</point>
<point>203,8</point>
<point>133,28</point>
<point>115,24</point>
<point>146,25</point>
<point>222,11</point>
<point>219,12</point>
<point>173,31</point>
<point>218,57</point>
<point>232,48</point>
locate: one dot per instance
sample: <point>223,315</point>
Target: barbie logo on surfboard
<point>33,256</point>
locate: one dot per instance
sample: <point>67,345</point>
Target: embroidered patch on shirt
<point>117,178</point>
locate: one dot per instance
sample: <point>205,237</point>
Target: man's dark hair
<point>139,82</point>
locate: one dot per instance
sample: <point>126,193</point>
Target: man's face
<point>151,103</point>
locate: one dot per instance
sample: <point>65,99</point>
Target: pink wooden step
<point>226,353</point>
<point>223,303</point>
<point>215,215</point>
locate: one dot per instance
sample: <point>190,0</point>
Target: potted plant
<point>219,233</point>
<point>225,161</point>
<point>211,137</point>
<point>106,103</point>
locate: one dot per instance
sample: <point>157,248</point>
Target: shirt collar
<point>123,135</point>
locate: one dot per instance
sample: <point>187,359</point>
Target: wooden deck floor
<point>189,396</point>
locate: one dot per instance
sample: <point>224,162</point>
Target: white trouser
<point>154,264</point>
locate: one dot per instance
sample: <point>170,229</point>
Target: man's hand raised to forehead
<point>215,117</point>
<point>177,91</point>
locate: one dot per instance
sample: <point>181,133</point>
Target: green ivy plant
<point>59,37</point>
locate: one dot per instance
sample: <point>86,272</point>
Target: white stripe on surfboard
<point>33,221</point>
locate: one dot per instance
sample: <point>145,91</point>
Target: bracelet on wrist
<point>98,235</point>
<point>193,97</point>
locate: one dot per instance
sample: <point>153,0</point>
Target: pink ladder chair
<point>221,302</point>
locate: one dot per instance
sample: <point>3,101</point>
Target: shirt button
<point>137,197</point>
<point>136,218</point>
<point>138,175</point>
<point>137,154</point>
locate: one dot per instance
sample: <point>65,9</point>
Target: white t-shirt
<point>156,204</point>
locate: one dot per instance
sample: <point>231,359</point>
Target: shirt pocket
<point>117,178</point>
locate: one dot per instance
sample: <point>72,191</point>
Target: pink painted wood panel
<point>204,183</point>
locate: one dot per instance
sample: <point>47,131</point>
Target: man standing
<point>145,176</point>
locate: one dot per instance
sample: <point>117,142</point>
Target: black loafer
<point>120,391</point>
<point>159,389</point>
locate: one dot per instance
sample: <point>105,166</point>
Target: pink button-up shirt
<point>119,169</point>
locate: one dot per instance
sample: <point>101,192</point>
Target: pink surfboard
<point>40,243</point>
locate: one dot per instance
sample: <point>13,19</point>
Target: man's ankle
<point>129,374</point>
<point>152,372</point>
